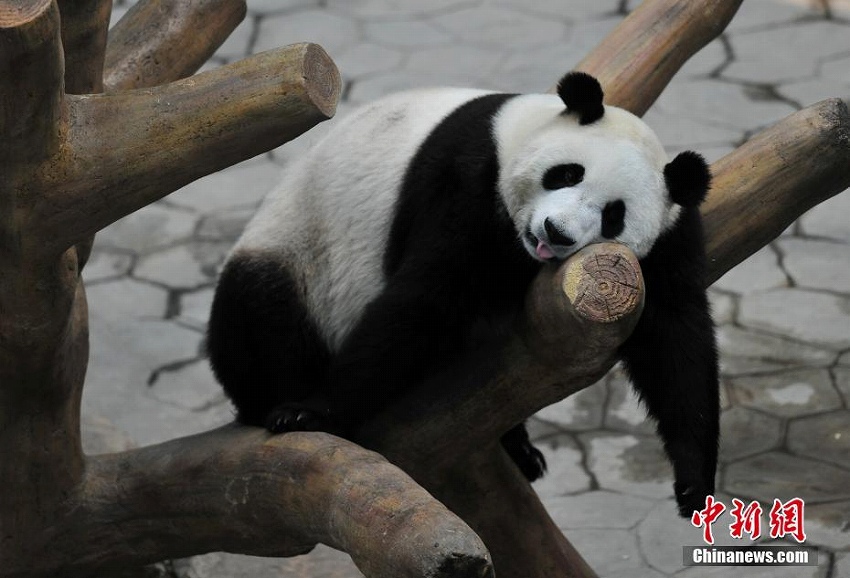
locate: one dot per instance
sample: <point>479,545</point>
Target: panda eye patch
<point>612,219</point>
<point>560,176</point>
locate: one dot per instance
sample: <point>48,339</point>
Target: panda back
<point>329,219</point>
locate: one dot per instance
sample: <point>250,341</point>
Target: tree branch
<point>240,489</point>
<point>84,27</point>
<point>127,150</point>
<point>576,316</point>
<point>157,41</point>
<point>30,80</point>
<point>764,185</point>
<point>639,58</point>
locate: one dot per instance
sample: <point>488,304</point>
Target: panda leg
<point>263,346</point>
<point>528,458</point>
<point>671,358</point>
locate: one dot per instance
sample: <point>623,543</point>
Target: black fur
<point>456,277</point>
<point>583,96</point>
<point>688,179</point>
<point>671,358</point>
<point>264,347</point>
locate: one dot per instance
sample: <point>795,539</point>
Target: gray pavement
<point>783,315</point>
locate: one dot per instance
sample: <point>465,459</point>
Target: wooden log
<point>84,27</point>
<point>576,316</point>
<point>175,134</point>
<point>30,81</point>
<point>639,58</point>
<point>760,188</point>
<point>240,489</point>
<point>157,41</point>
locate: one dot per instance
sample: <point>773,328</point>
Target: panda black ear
<point>583,95</point>
<point>688,179</point>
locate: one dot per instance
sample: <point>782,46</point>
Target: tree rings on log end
<point>604,282</point>
<point>19,12</point>
<point>322,79</point>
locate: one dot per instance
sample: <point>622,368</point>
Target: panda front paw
<point>690,496</point>
<point>301,416</point>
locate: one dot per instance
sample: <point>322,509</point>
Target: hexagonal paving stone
<point>191,387</point>
<point>175,267</point>
<point>629,464</point>
<point>744,433</point>
<point>598,509</point>
<point>225,225</point>
<point>371,10</point>
<point>274,6</point>
<point>663,532</point>
<point>837,69</point>
<point>209,255</point>
<point>575,10</point>
<point>829,219</point>
<point>195,308</point>
<point>677,131</point>
<point>772,55</point>
<point>365,59</point>
<point>539,68</point>
<point>243,184</point>
<point>811,90</point>
<point>761,14</point>
<point>149,228</point>
<point>787,394</point>
<point>719,103</point>
<point>758,272</point>
<point>578,412</point>
<point>745,351</point>
<point>842,562</point>
<point>722,306</point>
<point>405,34</point>
<point>334,32</point>
<point>625,413</point>
<point>608,551</point>
<point>778,475</point>
<point>104,264</point>
<point>826,436</point>
<point>842,381</point>
<point>803,315</point>
<point>817,264</point>
<point>238,44</point>
<point>497,27</point>
<point>470,62</point>
<point>708,60</point>
<point>566,475</point>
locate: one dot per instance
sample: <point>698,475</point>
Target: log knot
<point>605,285</point>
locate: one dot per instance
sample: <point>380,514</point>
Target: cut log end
<point>604,285</point>
<point>16,13</point>
<point>322,79</point>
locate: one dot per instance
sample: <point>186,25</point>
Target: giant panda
<point>406,239</point>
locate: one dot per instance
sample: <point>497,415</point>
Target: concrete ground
<point>783,315</point>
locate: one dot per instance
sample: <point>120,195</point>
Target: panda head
<point>589,173</point>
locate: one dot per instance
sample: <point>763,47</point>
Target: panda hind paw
<point>293,416</point>
<point>690,497</point>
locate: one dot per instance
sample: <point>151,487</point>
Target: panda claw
<point>292,417</point>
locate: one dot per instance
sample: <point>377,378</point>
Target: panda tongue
<point>543,251</point>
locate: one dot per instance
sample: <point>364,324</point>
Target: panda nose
<point>556,237</point>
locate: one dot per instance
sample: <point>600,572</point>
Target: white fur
<point>329,219</point>
<point>622,158</point>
